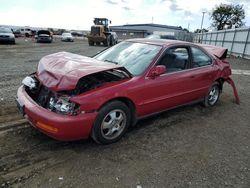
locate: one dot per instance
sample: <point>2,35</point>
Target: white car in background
<point>67,37</point>
<point>26,32</point>
<point>6,35</point>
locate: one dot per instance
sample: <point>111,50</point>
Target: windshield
<point>135,57</point>
<point>5,30</point>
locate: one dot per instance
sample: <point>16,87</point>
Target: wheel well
<point>221,82</point>
<point>129,103</point>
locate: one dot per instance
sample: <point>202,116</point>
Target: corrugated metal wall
<point>237,41</point>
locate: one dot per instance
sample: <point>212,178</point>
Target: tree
<point>228,16</point>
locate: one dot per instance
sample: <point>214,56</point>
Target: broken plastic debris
<point>60,178</point>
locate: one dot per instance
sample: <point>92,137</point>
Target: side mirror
<point>110,22</point>
<point>157,71</point>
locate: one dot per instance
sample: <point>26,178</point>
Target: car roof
<point>215,51</point>
<point>159,42</point>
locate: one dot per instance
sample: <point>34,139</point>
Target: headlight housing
<point>30,82</point>
<point>63,105</point>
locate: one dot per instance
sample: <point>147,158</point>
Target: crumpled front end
<point>60,126</point>
<point>45,96</point>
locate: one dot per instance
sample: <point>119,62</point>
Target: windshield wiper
<point>106,60</point>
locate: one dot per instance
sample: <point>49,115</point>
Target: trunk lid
<point>61,71</point>
<point>217,51</point>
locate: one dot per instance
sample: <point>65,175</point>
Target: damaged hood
<point>61,71</point>
<point>217,51</point>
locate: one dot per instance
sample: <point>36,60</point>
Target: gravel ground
<point>190,146</point>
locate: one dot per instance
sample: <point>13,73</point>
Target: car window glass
<point>175,59</point>
<point>200,58</point>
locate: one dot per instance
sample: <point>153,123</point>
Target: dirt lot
<point>190,146</point>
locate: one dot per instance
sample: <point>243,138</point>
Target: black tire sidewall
<point>91,43</point>
<point>112,43</point>
<point>96,130</point>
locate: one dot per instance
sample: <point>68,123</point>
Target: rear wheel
<point>111,123</point>
<point>213,95</point>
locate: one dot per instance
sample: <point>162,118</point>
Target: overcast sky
<point>79,14</point>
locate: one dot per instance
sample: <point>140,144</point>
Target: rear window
<point>95,30</point>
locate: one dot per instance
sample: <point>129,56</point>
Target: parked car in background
<point>72,97</point>
<point>17,33</point>
<point>67,37</point>
<point>44,36</point>
<point>171,37</point>
<point>26,32</point>
<point>77,34</point>
<point>7,36</point>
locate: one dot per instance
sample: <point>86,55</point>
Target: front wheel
<point>111,123</point>
<point>112,41</point>
<point>213,95</point>
<point>106,42</point>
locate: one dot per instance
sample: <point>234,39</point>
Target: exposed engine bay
<point>59,101</point>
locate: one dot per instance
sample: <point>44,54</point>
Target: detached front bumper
<point>60,127</point>
<point>236,95</point>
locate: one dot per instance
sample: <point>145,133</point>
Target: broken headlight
<point>63,105</point>
<point>30,82</point>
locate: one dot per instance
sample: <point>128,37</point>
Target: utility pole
<point>203,13</point>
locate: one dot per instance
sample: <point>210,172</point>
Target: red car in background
<point>73,97</point>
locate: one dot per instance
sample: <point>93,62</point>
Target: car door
<point>202,72</point>
<point>172,88</point>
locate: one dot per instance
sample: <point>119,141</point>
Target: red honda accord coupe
<point>73,97</point>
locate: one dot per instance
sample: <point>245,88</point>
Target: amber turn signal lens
<point>46,127</point>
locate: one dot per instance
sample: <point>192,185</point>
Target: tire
<point>112,41</point>
<point>107,41</point>
<point>111,123</point>
<point>213,95</point>
<point>91,43</point>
